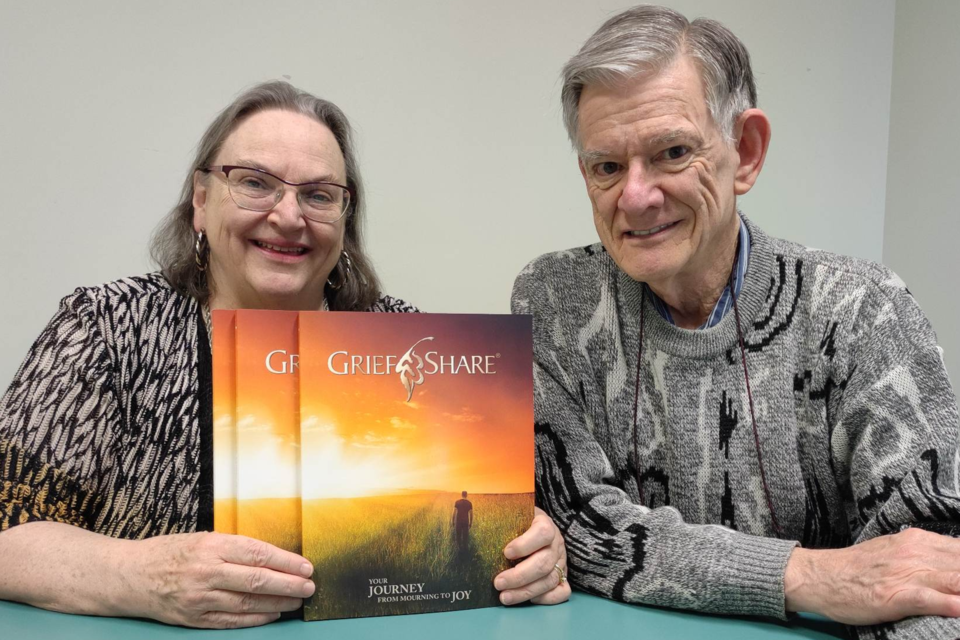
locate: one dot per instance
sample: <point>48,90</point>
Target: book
<point>268,428</point>
<point>224,366</point>
<point>414,448</point>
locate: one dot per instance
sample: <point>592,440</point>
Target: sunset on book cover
<point>395,452</point>
<point>267,429</point>
<point>416,458</point>
<point>223,341</point>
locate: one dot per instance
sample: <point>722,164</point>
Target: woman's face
<point>275,259</point>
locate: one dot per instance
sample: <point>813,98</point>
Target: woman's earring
<point>347,271</point>
<point>201,250</point>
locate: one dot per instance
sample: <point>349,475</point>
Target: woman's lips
<point>283,253</point>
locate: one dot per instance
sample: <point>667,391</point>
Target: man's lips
<point>652,231</point>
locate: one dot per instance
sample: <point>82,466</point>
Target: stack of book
<point>394,451</point>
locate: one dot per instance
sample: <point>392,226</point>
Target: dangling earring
<point>347,271</point>
<point>201,250</point>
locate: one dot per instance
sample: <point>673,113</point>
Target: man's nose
<point>642,191</point>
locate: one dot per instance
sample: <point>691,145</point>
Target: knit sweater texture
<point>857,427</point>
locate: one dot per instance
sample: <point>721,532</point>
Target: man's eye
<point>675,153</point>
<point>607,169</point>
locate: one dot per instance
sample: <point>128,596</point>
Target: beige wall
<point>456,103</point>
<point>922,228</point>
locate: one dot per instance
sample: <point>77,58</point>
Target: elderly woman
<point>105,432</point>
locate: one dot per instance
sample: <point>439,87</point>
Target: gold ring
<point>563,576</point>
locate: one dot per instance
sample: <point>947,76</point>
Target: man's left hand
<point>536,578</point>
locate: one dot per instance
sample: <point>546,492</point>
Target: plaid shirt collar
<point>725,303</point>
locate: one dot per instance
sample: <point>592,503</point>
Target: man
<point>462,520</point>
<point>729,422</point>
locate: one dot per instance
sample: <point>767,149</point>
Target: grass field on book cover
<point>416,458</point>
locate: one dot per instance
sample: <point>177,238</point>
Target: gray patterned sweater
<point>857,427</point>
<point>107,425</point>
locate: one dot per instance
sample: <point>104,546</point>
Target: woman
<point>105,432</point>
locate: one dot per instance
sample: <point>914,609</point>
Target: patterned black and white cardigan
<point>107,425</point>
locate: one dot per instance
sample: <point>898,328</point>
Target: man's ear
<point>752,133</point>
<point>199,202</point>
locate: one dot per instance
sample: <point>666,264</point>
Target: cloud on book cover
<point>370,440</point>
<point>315,424</point>
<point>464,415</point>
<point>250,423</point>
<point>399,423</point>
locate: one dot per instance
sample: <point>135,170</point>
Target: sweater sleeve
<point>618,548</point>
<point>895,441</point>
<point>61,398</point>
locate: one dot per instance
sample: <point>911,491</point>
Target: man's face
<point>659,174</point>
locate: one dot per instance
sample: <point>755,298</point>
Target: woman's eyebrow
<point>253,164</point>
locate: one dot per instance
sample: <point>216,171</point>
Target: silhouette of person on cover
<point>462,520</point>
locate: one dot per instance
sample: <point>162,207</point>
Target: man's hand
<point>535,578</point>
<point>912,573</point>
<point>213,580</point>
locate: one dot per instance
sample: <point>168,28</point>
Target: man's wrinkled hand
<point>911,573</point>
<point>535,577</point>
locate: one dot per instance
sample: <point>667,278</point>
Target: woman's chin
<point>289,295</point>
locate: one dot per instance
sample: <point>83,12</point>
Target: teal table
<point>584,617</point>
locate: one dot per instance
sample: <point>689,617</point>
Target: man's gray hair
<point>172,246</point>
<point>649,38</point>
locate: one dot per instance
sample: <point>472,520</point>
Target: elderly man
<point>726,421</point>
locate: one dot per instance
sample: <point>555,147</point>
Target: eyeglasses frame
<point>225,169</point>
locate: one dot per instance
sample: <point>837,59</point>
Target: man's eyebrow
<point>253,164</point>
<point>670,136</point>
<point>589,155</point>
<point>657,140</point>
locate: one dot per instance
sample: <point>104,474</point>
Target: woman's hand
<point>536,577</point>
<point>213,580</point>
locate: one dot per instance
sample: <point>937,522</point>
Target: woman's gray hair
<point>172,246</point>
<point>649,38</point>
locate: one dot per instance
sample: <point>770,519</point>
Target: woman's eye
<point>675,153</point>
<point>607,169</point>
<point>253,183</point>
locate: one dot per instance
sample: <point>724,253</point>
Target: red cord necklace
<point>746,377</point>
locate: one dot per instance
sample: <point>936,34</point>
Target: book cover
<point>416,458</point>
<point>267,416</point>
<point>224,365</point>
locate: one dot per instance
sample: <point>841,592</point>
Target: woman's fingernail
<point>308,589</point>
<point>306,570</point>
<point>506,598</point>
